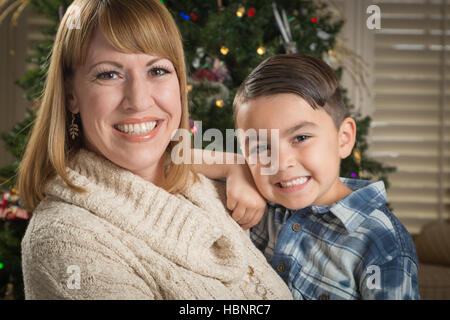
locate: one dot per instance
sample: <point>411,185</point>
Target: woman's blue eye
<point>159,71</point>
<point>108,75</point>
<point>300,138</point>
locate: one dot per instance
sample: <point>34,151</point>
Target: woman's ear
<point>71,100</point>
<point>347,136</point>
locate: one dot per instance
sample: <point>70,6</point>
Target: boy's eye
<point>300,138</point>
<point>260,148</point>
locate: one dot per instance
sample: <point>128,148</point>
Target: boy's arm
<point>393,280</point>
<point>215,164</point>
<point>243,198</point>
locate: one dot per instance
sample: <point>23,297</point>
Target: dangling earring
<point>73,128</point>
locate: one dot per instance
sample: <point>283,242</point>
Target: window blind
<point>411,119</point>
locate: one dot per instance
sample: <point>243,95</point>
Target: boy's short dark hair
<point>301,74</point>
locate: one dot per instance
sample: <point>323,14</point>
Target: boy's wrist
<point>238,164</point>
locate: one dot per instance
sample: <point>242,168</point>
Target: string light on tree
<point>251,12</point>
<point>240,12</point>
<point>261,50</point>
<point>224,50</point>
<point>193,127</point>
<point>184,16</point>
<point>219,103</point>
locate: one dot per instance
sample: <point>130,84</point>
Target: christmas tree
<point>224,41</point>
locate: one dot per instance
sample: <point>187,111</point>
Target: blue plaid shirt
<point>354,249</point>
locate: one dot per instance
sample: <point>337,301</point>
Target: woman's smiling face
<point>129,105</point>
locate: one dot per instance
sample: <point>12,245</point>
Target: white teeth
<point>137,128</point>
<point>295,182</point>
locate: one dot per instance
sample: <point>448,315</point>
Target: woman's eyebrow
<point>118,65</point>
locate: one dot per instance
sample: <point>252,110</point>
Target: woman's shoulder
<point>207,192</point>
<point>55,224</point>
<point>65,243</point>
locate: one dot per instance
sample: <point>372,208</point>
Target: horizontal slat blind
<point>411,122</point>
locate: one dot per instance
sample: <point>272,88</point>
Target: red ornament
<point>314,20</point>
<point>193,16</point>
<point>202,74</point>
<point>251,12</point>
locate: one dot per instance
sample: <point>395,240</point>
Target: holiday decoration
<point>285,29</point>
<point>11,208</point>
<point>261,50</point>
<point>13,222</point>
<point>240,12</point>
<point>219,103</point>
<point>224,50</point>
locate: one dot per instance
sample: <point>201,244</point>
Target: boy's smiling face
<point>310,149</point>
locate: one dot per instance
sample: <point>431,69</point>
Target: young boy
<point>327,237</point>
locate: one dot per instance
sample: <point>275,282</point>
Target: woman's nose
<point>139,93</point>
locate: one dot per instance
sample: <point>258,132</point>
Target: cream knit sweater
<point>128,239</point>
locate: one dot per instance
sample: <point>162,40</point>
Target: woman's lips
<point>135,137</point>
<point>137,121</point>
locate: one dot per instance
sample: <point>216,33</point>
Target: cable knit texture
<point>130,239</point>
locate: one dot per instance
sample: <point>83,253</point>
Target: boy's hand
<point>243,197</point>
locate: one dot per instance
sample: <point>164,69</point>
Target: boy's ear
<point>347,137</point>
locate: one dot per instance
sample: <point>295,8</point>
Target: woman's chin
<point>144,164</point>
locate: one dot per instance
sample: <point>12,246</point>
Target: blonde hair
<point>138,26</point>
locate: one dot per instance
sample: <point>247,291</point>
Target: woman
<point>113,218</point>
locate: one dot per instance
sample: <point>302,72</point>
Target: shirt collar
<point>353,209</point>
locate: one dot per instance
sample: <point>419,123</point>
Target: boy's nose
<point>286,160</point>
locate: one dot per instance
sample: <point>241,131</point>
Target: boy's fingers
<point>248,216</point>
<point>256,217</point>
<point>238,213</point>
<point>231,202</point>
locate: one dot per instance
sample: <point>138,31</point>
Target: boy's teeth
<point>295,182</point>
<point>137,128</point>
